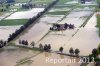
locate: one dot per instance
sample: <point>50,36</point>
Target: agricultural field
<point>35,1</point>
<point>18,19</point>
<point>5,31</point>
<point>13,22</point>
<point>58,11</point>
<point>15,15</point>
<point>16,56</point>
<point>52,16</point>
<point>35,30</point>
<point>84,36</point>
<point>79,16</point>
<point>19,56</point>
<point>58,38</point>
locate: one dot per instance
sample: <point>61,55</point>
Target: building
<point>10,1</point>
<point>7,1</point>
<point>83,1</point>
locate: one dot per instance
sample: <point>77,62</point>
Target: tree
<point>95,52</point>
<point>71,51</point>
<point>98,2</point>
<point>20,42</point>
<point>65,25</point>
<point>61,49</point>
<point>99,47</point>
<point>45,47</point>
<point>49,47</point>
<point>2,43</point>
<point>23,42</point>
<point>77,52</point>
<point>40,46</point>
<point>26,42</point>
<point>32,44</point>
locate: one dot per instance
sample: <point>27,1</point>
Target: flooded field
<point>86,39</point>
<point>14,56</point>
<point>83,37</point>
<point>63,38</point>
<point>78,38</point>
<point>5,31</point>
<point>38,30</point>
<point>25,14</point>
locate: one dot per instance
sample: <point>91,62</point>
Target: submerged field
<point>16,56</point>
<point>84,36</point>
<point>80,17</point>
<point>58,39</point>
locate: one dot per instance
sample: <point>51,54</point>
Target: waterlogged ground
<point>67,38</point>
<point>37,31</point>
<point>5,31</point>
<point>85,39</point>
<point>44,59</point>
<point>14,56</point>
<point>25,14</point>
<point>80,37</point>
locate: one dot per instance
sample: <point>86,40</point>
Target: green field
<point>61,2</point>
<point>35,1</point>
<point>21,1</point>
<point>13,22</point>
<point>98,23</point>
<point>98,20</point>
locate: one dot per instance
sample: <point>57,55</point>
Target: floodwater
<point>37,31</point>
<point>10,56</point>
<point>86,39</point>
<point>25,14</point>
<point>5,31</point>
<point>78,38</point>
<point>44,60</point>
<point>14,56</point>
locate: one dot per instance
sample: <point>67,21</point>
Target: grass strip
<point>12,22</point>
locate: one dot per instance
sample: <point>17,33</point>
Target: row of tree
<point>23,42</point>
<point>2,43</point>
<point>71,51</point>
<point>47,47</point>
<point>95,54</point>
<point>30,21</point>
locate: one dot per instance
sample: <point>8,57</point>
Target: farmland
<point>15,15</point>
<point>25,49</point>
